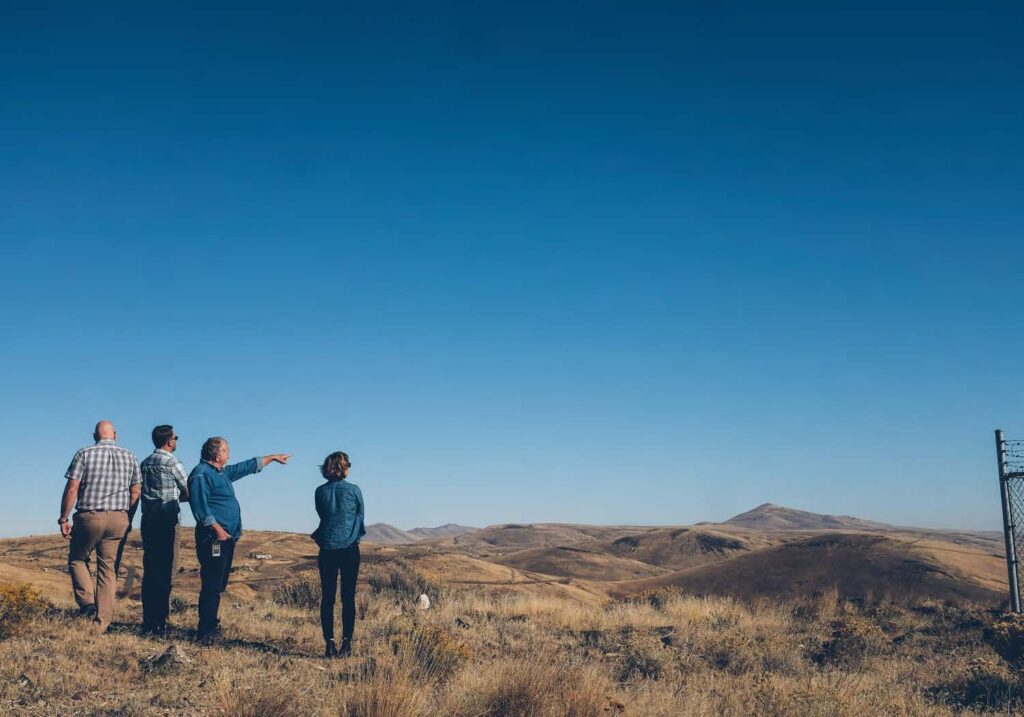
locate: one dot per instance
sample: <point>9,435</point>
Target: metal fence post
<point>1009,527</point>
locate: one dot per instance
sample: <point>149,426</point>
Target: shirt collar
<point>219,470</point>
<point>105,442</point>
<point>161,450</point>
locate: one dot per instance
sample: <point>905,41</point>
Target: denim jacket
<point>340,507</point>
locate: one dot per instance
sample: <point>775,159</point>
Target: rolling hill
<point>680,548</point>
<point>785,557</point>
<point>855,565</point>
<point>570,562</point>
<point>518,536</point>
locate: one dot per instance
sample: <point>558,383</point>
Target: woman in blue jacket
<point>339,504</point>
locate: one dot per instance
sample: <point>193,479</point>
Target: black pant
<point>159,534</point>
<point>331,563</point>
<point>213,578</point>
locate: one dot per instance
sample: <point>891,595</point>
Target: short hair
<point>334,466</point>
<point>212,447</point>
<point>162,435</point>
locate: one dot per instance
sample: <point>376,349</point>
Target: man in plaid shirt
<point>163,485</point>
<point>103,486</point>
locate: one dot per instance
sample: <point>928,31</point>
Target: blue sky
<point>578,262</point>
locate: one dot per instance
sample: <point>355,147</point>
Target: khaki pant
<point>100,531</point>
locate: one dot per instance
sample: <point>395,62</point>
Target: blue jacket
<point>211,496</point>
<point>340,507</point>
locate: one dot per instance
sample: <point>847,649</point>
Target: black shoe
<point>209,636</point>
<point>332,649</point>
<point>346,647</point>
<point>87,611</point>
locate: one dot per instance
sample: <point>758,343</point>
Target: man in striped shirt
<point>163,485</point>
<point>103,488</point>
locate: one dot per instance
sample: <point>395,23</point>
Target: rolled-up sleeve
<point>198,486</point>
<point>136,477</point>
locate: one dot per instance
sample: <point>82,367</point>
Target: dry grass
<point>477,655</point>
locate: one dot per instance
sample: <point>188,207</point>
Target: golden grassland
<point>492,654</point>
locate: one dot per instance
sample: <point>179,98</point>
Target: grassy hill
<point>576,562</point>
<point>850,564</point>
<point>503,654</point>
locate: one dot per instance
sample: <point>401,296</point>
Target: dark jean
<point>332,563</point>
<point>213,579</point>
<point>159,536</point>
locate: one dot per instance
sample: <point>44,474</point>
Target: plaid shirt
<point>106,471</point>
<point>163,478</point>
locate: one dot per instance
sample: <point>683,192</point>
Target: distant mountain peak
<point>384,534</point>
<point>770,516</point>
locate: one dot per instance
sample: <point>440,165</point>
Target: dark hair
<point>162,435</point>
<point>334,466</point>
<point>211,448</point>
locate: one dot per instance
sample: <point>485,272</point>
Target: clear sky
<point>581,262</point>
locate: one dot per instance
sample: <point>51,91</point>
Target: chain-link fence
<point>1010,455</point>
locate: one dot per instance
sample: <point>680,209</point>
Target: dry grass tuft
<point>258,698</point>
<point>431,652</point>
<point>387,692</point>
<point>541,688</point>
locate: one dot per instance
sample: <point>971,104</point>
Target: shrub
<point>642,658</point>
<point>402,579</point>
<point>733,652</point>
<point>854,638</point>
<point>1006,637</point>
<point>302,592</point>
<point>18,605</point>
<point>985,684</point>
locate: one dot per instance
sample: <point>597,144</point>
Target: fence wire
<point>1013,457</point>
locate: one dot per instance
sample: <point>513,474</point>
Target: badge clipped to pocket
<point>215,550</point>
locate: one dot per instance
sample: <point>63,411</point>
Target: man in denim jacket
<point>218,522</point>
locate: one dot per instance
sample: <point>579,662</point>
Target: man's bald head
<point>105,431</point>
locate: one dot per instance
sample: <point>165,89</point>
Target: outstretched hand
<point>279,458</point>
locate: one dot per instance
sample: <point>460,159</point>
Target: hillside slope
<point>575,562</point>
<point>681,548</point>
<point>855,565</point>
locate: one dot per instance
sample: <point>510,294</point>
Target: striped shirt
<point>163,479</point>
<point>106,471</point>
